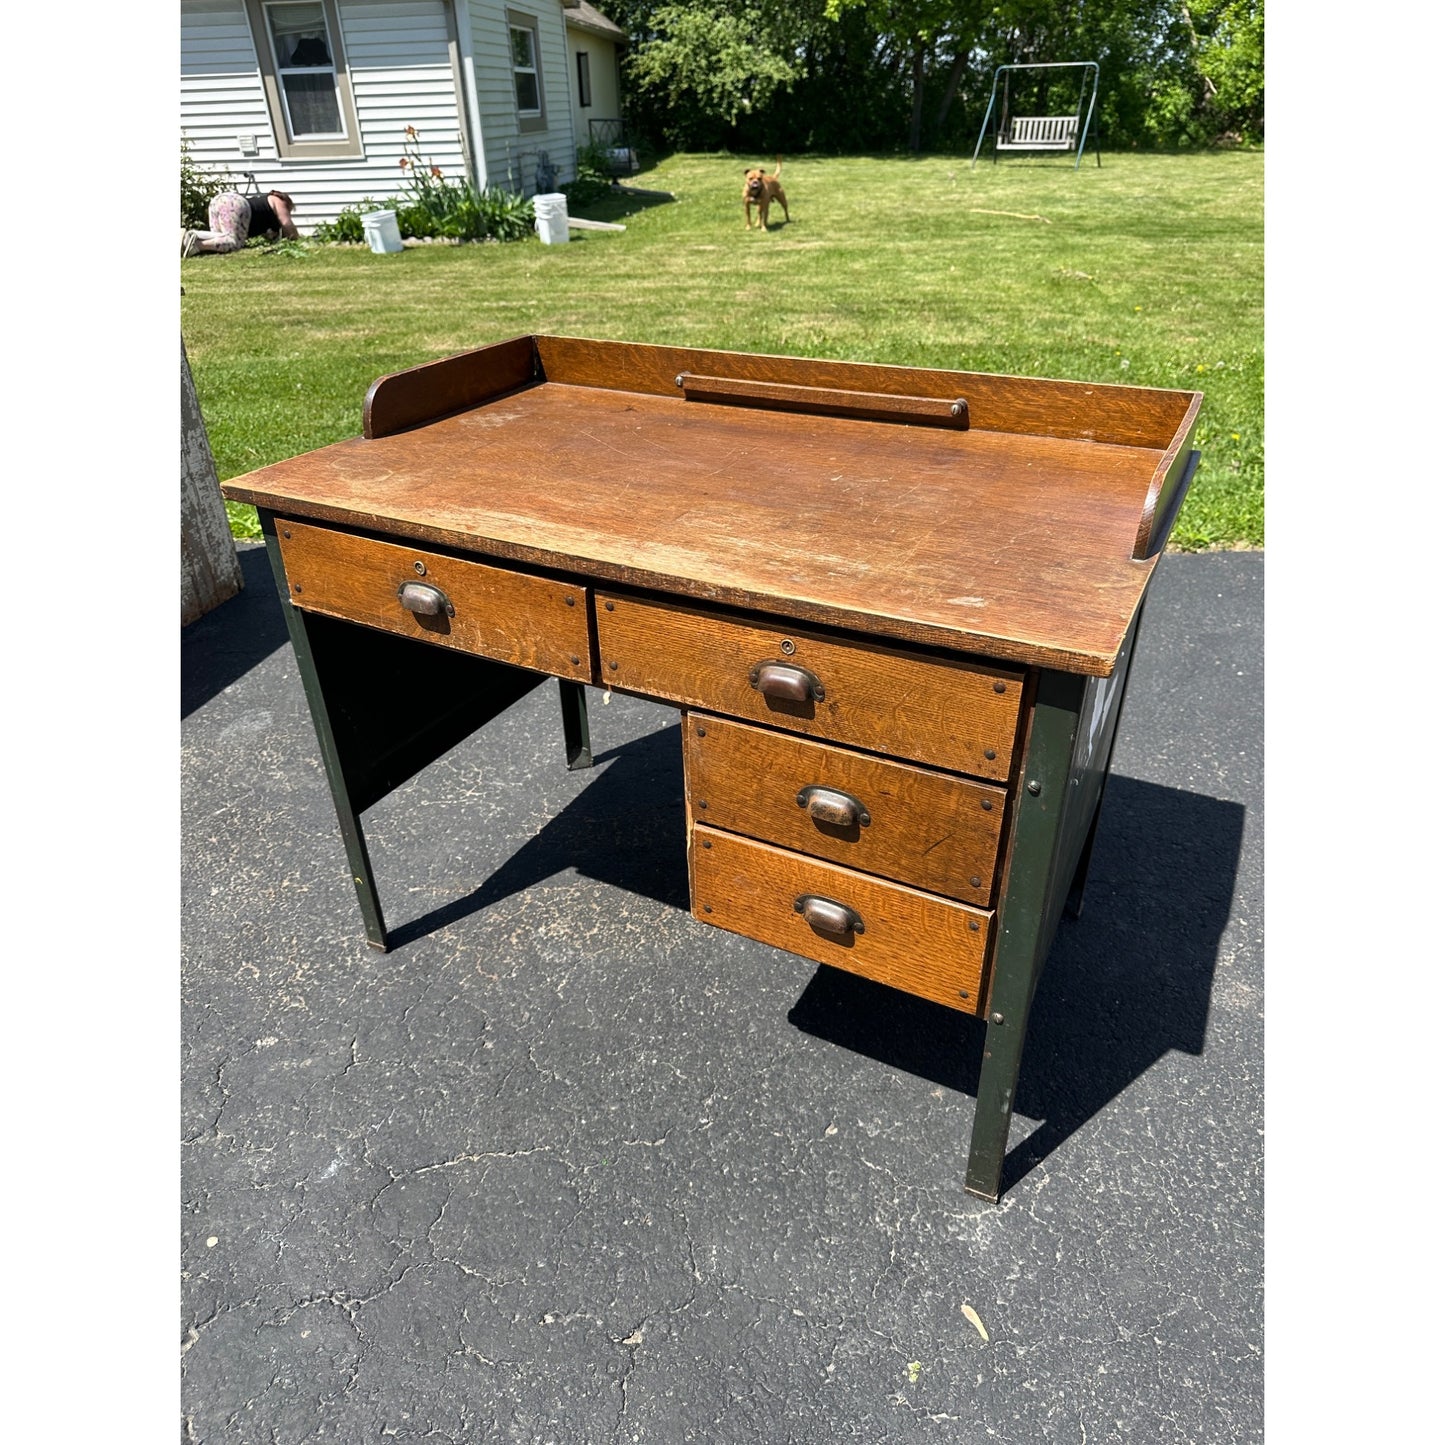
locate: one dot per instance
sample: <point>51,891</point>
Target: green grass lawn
<point>1148,271</point>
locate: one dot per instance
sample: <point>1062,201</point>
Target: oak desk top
<point>1027,532</point>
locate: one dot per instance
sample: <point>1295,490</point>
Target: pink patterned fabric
<point>229,217</point>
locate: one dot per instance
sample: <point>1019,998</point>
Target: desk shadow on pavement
<point>1123,985</point>
<point>231,639</point>
<point>627,828</point>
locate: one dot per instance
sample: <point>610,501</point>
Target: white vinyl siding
<point>512,154</point>
<point>401,75</point>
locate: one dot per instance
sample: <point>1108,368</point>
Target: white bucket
<point>381,232</point>
<point>551,212</point>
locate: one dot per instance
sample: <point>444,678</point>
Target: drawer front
<point>910,940</point>
<point>531,622</point>
<point>932,830</point>
<point>950,713</point>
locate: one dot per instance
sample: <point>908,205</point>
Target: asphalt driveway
<point>566,1165</point>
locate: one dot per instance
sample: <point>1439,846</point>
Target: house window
<point>301,49</point>
<point>303,73</point>
<point>584,79</point>
<point>526,70</point>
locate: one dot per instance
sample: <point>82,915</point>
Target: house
<point>314,97</point>
<point>595,45</point>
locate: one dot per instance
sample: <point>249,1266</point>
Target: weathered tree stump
<point>210,571</point>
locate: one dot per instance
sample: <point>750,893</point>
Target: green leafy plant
<point>282,246</point>
<point>200,185</point>
<point>436,206</point>
<point>433,207</point>
<point>347,226</point>
<point>594,176</point>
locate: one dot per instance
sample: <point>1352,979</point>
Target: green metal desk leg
<point>576,734</point>
<point>357,857</point>
<point>1027,915</point>
<point>1074,903</point>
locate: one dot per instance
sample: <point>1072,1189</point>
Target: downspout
<point>567,63</point>
<point>461,12</point>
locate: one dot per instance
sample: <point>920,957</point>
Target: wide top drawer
<point>950,712</point>
<point>533,622</point>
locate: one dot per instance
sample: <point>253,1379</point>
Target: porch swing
<point>1042,132</point>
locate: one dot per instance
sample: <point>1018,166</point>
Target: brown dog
<point>761,190</point>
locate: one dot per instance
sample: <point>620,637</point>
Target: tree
<point>1231,61</point>
<point>915,28</point>
<point>789,75</point>
<point>703,66</point>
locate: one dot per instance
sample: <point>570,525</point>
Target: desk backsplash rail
<point>1168,486</point>
<point>421,394</point>
<point>832,401</point>
<point>1030,406</point>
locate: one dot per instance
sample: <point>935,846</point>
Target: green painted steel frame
<point>1058,794</point>
<point>373,738</point>
<point>347,809</point>
<point>576,733</point>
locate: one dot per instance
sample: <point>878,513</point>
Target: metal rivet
<point>1000,687</point>
<point>571,601</point>
<point>963,993</point>
<point>609,607</point>
<point>576,661</point>
<point>298,586</point>
<point>1034,789</point>
<point>987,805</point>
<point>419,568</point>
<point>788,647</point>
<point>989,754</point>
<point>707,908</point>
<point>286,532</point>
<point>706,844</point>
<point>702,732</point>
<point>975,882</point>
<point>995,1018</point>
<point>701,804</point>
<point>613,666</point>
<point>973,925</point>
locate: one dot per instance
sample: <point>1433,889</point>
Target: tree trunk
<point>915,122</point>
<point>955,75</point>
<point>210,572</point>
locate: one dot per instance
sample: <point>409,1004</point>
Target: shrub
<point>594,176</point>
<point>347,226</point>
<point>432,207</point>
<point>199,186</point>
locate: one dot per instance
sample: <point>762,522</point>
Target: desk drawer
<point>944,711</point>
<point>531,622</point>
<point>932,830</point>
<point>909,940</point>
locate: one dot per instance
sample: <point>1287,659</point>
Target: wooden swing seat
<point>1040,133</point>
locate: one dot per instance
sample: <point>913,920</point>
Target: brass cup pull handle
<point>786,680</point>
<point>829,805</point>
<point>425,600</point>
<point>828,915</point>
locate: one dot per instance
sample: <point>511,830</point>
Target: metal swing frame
<point>1042,144</point>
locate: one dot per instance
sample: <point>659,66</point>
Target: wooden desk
<point>897,608</point>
